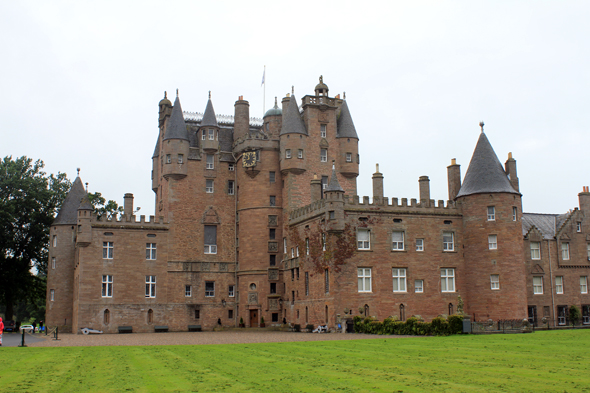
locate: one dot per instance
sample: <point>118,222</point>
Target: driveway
<point>13,339</point>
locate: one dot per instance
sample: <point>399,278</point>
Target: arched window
<point>326,314</point>
<point>366,310</point>
<point>402,312</point>
<point>106,316</point>
<point>150,316</point>
<point>306,315</point>
<point>450,308</point>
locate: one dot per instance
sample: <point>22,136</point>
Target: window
<point>565,251</point>
<point>150,251</point>
<point>231,167</point>
<point>211,134</point>
<point>306,283</point>
<point>197,314</point>
<point>419,244</point>
<point>209,186</point>
<point>188,290</point>
<point>586,314</point>
<point>273,287</point>
<point>292,274</point>
<point>364,279</point>
<point>300,153</point>
<point>514,214</point>
<point>332,215</point>
<point>272,176</point>
<point>326,281</point>
<point>288,153</point>
<point>448,241</point>
<point>323,242</point>
<point>402,312</point>
<point>324,155</point>
<point>53,262</point>
<point>292,252</point>
<point>107,286</point>
<point>230,187</point>
<point>180,158</point>
<point>588,251</point>
<point>491,213</point>
<point>323,131</point>
<point>106,317</point>
<point>493,242</point>
<point>363,239</point>
<point>447,280</point>
<point>54,241</point>
<point>52,295</point>
<point>168,158</point>
<point>230,314</point>
<point>210,161</point>
<point>204,136</point>
<point>397,240</point>
<point>348,157</point>
<point>583,284</point>
<point>578,227</point>
<point>559,285</point>
<point>419,286</point>
<point>297,251</point>
<point>209,289</point>
<point>538,285</point>
<point>284,245</point>
<point>535,250</point>
<point>306,246</point>
<point>150,286</point>
<point>107,250</point>
<point>272,233</point>
<point>274,317</point>
<point>399,280</point>
<point>495,281</point>
<point>273,200</point>
<point>210,239</point>
<point>273,260</point>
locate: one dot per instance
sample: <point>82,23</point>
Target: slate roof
<point>68,213</point>
<point>209,118</point>
<point>345,125</point>
<point>292,122</point>
<point>176,127</point>
<point>485,173</point>
<point>157,149</point>
<point>334,185</point>
<point>547,224</point>
<point>85,203</point>
<point>226,139</point>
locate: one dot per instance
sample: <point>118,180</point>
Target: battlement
<point>315,100</point>
<point>128,220</point>
<point>228,120</point>
<point>398,206</point>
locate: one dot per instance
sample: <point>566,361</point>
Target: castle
<point>258,221</point>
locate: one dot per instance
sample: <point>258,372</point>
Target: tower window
<point>300,153</point>
<point>324,155</point>
<point>273,200</point>
<point>323,131</point>
<point>578,227</point>
<point>565,251</point>
<point>288,153</point>
<point>107,286</point>
<point>231,167</point>
<point>230,187</point>
<point>168,158</point>
<point>180,158</point>
<point>150,251</point>
<point>209,186</point>
<point>204,136</point>
<point>210,161</point>
<point>150,286</point>
<point>448,241</point>
<point>107,250</point>
<point>495,281</point>
<point>514,214</point>
<point>348,157</point>
<point>210,239</point>
<point>272,176</point>
<point>493,242</point>
<point>211,134</point>
<point>491,213</point>
<point>188,290</point>
<point>209,289</point>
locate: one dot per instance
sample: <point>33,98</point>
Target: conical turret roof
<point>85,203</point>
<point>157,148</point>
<point>485,173</point>
<point>293,124</point>
<point>345,125</point>
<point>68,213</point>
<point>176,127</point>
<point>209,118</point>
<point>334,185</point>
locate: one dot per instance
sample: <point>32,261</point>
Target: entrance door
<point>253,318</point>
<point>533,315</point>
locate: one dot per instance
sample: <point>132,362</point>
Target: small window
<point>273,200</point>
<point>230,314</point>
<point>150,286</point>
<point>106,317</point>
<point>538,285</point>
<point>107,250</point>
<point>448,241</point>
<point>204,135</point>
<point>209,186</point>
<point>188,290</point>
<point>210,161</point>
<point>197,314</point>
<point>514,214</point>
<point>272,176</point>
<point>300,153</point>
<point>324,155</point>
<point>168,158</point>
<point>231,167</point>
<point>326,281</point>
<point>54,241</point>
<point>495,281</point>
<point>210,239</point>
<point>323,242</point>
<point>150,251</point>
<point>332,215</point>
<point>292,252</point>
<point>284,245</point>
<point>493,242</point>
<point>306,246</point>
<point>447,280</point>
<point>583,284</point>
<point>363,239</point>
<point>52,295</point>
<point>348,157</point>
<point>273,288</point>
<point>272,233</point>
<point>230,187</point>
<point>288,153</point>
<point>323,131</point>
<point>231,291</point>
<point>297,251</point>
<point>107,286</point>
<point>535,250</point>
<point>565,251</point>
<point>559,285</point>
<point>273,260</point>
<point>419,244</point>
<point>397,241</point>
<point>419,286</point>
<point>578,227</point>
<point>209,289</point>
<point>491,213</point>
<point>211,134</point>
<point>180,158</point>
<point>306,283</point>
<point>399,280</point>
<point>53,262</point>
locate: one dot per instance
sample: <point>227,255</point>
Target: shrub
<point>440,326</point>
<point>574,314</point>
<point>455,324</point>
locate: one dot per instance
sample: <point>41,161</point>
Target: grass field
<point>538,362</point>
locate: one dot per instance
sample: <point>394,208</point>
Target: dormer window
<point>579,227</point>
<point>323,131</point>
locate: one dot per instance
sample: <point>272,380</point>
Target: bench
<point>194,328</point>
<point>160,329</point>
<point>125,329</point>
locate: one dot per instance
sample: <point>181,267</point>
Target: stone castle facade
<point>259,220</point>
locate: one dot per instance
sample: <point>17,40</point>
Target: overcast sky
<point>80,83</point>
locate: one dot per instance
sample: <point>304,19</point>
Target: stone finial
<point>510,155</point>
<point>177,92</point>
<point>276,102</point>
<point>78,169</point>
<point>321,79</point>
<point>165,94</point>
<point>344,95</point>
<point>86,186</point>
<point>209,94</point>
<point>481,124</point>
<point>292,89</point>
<point>377,168</point>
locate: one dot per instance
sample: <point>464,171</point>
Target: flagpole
<point>264,92</point>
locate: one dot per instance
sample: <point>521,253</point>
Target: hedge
<point>412,326</point>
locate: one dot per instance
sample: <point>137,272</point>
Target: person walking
<point>1,330</point>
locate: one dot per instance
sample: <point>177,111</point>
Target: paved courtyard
<point>193,338</point>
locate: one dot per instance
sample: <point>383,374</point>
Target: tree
<point>29,201</point>
<point>574,315</point>
<point>102,207</point>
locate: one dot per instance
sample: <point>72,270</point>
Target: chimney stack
<point>584,200</point>
<point>316,189</point>
<point>510,167</point>
<point>377,184</point>
<point>128,204</point>
<point>424,182</point>
<point>454,179</point>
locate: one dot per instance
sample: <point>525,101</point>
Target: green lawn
<point>538,362</point>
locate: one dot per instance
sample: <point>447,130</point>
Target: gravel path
<point>195,338</point>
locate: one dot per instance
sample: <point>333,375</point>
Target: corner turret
<point>348,141</point>
<point>175,144</point>
<point>209,129</point>
<point>334,203</point>
<point>293,140</point>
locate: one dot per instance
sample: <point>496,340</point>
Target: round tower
<point>175,145</point>
<point>293,140</point>
<point>241,118</point>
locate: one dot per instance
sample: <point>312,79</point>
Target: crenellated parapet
<point>129,221</point>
